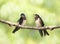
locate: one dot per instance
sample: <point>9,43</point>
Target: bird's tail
<point>41,33</point>
<point>16,29</point>
<point>46,33</point>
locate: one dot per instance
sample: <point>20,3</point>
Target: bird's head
<point>22,15</point>
<point>36,16</point>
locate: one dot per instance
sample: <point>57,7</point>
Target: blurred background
<point>10,10</point>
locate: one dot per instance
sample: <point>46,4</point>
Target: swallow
<point>39,23</point>
<point>21,21</point>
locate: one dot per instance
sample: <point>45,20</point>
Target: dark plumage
<point>39,23</point>
<point>21,21</point>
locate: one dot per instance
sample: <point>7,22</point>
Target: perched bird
<point>39,23</point>
<point>21,21</point>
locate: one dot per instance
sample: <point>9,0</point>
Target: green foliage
<point>10,10</point>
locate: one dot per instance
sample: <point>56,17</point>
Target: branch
<point>29,27</point>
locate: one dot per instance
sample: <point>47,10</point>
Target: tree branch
<point>29,27</point>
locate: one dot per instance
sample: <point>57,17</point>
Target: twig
<point>29,27</point>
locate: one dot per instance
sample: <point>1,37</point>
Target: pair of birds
<point>39,23</point>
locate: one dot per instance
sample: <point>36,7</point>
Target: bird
<point>21,21</point>
<point>39,23</point>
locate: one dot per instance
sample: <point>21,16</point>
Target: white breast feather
<point>24,22</point>
<point>38,23</point>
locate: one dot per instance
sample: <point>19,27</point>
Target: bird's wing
<point>20,21</point>
<point>42,23</point>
